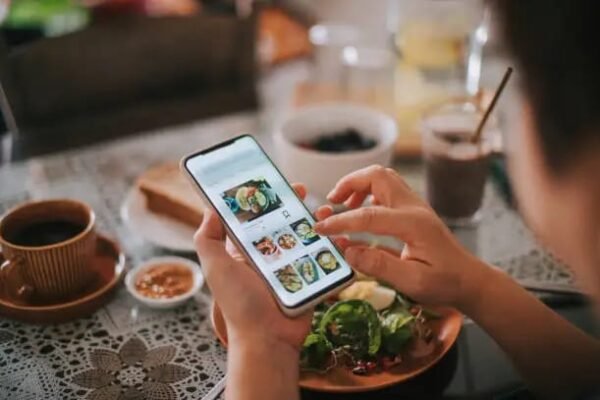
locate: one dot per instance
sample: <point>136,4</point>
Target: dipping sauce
<point>164,281</point>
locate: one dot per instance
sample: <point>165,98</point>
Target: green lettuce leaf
<point>353,325</point>
<point>396,330</point>
<point>315,351</point>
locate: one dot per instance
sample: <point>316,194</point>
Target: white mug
<point>320,171</point>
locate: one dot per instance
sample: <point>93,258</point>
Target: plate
<point>157,229</point>
<point>108,266</point>
<point>342,380</point>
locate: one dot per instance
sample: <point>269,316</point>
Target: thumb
<point>211,226</point>
<point>403,275</point>
<point>210,240</point>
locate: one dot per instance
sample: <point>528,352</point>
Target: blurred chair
<point>128,75</point>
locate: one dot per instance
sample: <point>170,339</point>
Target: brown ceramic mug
<point>47,247</point>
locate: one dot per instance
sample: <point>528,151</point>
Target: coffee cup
<point>47,247</point>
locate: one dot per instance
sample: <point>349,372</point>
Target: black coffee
<point>46,233</point>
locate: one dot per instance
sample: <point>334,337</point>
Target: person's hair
<point>556,49</point>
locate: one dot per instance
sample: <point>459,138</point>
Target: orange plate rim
<point>453,320</point>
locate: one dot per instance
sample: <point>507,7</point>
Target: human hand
<point>432,268</point>
<point>249,309</point>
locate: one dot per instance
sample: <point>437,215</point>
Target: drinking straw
<point>477,135</point>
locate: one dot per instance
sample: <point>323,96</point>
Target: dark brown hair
<point>556,49</point>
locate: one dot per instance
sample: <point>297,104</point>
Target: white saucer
<point>157,229</point>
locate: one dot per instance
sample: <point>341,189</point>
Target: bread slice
<point>168,193</point>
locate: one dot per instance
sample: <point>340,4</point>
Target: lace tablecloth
<point>127,351</point>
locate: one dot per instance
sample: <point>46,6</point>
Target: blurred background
<point>82,71</point>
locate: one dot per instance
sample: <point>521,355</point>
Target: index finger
<point>383,183</point>
<point>378,220</point>
<point>344,243</point>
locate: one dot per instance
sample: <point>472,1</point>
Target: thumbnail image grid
<point>285,239</point>
<point>310,269</point>
<point>252,199</point>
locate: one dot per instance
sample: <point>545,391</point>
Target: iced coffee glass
<point>456,168</point>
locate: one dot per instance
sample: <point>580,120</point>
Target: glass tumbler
<point>456,167</point>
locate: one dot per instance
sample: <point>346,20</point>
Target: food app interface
<point>269,220</point>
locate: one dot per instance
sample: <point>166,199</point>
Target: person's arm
<point>263,344</point>
<point>262,369</point>
<point>553,356</point>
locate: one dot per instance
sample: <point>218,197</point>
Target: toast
<point>168,193</point>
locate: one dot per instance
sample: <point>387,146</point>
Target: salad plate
<point>442,328</point>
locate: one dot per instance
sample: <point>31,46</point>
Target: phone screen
<point>269,220</point>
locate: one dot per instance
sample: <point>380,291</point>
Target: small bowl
<point>320,171</point>
<point>173,301</point>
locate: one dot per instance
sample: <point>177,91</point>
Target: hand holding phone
<point>269,223</point>
<point>241,294</point>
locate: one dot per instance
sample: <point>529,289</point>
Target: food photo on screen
<point>307,269</point>
<point>305,231</point>
<point>289,279</point>
<point>251,199</point>
<point>267,248</point>
<point>326,260</point>
<point>286,239</point>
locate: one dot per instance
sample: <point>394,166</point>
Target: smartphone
<point>265,218</point>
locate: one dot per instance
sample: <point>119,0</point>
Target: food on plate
<point>289,279</point>
<point>362,277</point>
<point>351,333</point>
<point>353,325</point>
<point>380,297</point>
<point>164,281</point>
<point>168,193</point>
<point>286,241</point>
<point>327,261</point>
<point>340,142</point>
<point>307,269</point>
<point>305,231</point>
<point>397,330</point>
<point>266,246</point>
